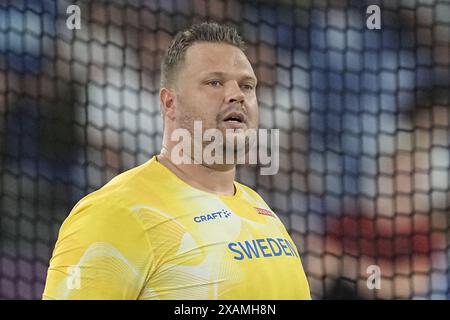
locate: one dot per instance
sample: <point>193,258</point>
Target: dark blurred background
<point>363,116</point>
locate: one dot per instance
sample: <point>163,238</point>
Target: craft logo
<point>222,214</point>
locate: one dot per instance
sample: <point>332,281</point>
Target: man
<point>173,230</point>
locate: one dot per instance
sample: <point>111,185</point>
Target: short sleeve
<point>102,252</point>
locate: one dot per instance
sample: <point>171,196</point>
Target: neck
<point>207,178</point>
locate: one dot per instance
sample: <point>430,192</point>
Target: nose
<point>234,93</point>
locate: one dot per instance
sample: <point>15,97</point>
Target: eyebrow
<point>223,74</point>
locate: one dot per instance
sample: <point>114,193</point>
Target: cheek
<point>197,106</point>
<point>187,107</point>
<point>202,102</point>
<point>253,109</point>
<point>208,106</point>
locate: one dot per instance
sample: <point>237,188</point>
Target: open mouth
<point>235,118</point>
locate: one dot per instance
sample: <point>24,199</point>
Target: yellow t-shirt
<point>149,235</point>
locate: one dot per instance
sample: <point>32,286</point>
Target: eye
<point>215,83</point>
<point>247,87</point>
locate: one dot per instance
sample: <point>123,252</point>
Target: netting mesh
<point>363,118</point>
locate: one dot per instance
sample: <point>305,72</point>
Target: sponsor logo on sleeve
<point>265,212</point>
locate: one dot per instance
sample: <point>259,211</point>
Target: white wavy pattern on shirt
<point>95,251</point>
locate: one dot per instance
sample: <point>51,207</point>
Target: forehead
<point>206,56</point>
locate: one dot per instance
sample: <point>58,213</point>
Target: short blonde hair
<point>204,32</point>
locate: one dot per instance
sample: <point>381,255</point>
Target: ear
<point>167,100</point>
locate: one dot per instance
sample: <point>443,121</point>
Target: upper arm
<point>102,253</point>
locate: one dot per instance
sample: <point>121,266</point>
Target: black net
<point>363,117</point>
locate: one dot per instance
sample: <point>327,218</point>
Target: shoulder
<point>97,215</point>
<point>118,197</point>
<point>103,226</point>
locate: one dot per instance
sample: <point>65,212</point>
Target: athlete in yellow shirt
<point>170,230</point>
